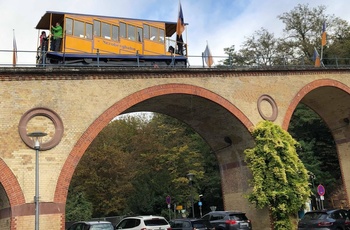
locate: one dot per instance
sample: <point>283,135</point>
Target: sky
<point>218,23</point>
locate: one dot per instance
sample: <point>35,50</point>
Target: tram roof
<point>44,22</point>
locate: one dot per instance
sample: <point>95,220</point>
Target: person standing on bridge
<point>57,32</point>
<point>43,41</point>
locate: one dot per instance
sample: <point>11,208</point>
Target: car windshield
<point>101,227</point>
<point>156,222</point>
<point>315,216</point>
<point>238,217</point>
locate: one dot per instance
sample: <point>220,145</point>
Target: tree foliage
<point>317,150</point>
<point>303,28</point>
<point>280,180</point>
<point>135,162</point>
<point>260,48</point>
<point>80,208</point>
<point>105,171</point>
<point>301,36</point>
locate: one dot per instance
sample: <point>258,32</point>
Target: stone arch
<point>13,191</point>
<point>307,89</point>
<point>122,105</point>
<point>341,137</point>
<point>11,185</point>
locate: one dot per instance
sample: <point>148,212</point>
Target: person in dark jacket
<point>43,41</point>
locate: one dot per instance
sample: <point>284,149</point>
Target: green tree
<point>105,171</point>
<point>280,180</point>
<point>136,161</point>
<point>337,51</point>
<point>302,34</point>
<point>168,162</point>
<point>229,51</point>
<point>260,49</point>
<point>317,147</point>
<point>78,207</point>
<point>303,30</point>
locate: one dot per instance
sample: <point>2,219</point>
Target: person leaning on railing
<point>43,41</point>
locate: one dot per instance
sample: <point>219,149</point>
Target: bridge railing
<point>27,58</point>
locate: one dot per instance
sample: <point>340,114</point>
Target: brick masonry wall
<point>87,99</point>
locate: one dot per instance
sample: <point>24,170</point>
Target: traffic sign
<point>168,200</point>
<point>321,190</point>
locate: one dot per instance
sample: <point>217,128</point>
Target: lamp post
<point>36,137</point>
<point>314,192</point>
<point>190,178</point>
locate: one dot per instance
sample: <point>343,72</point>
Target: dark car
<point>91,225</point>
<point>189,224</point>
<point>347,221</point>
<point>323,219</point>
<point>228,220</point>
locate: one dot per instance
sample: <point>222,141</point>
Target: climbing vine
<point>280,180</point>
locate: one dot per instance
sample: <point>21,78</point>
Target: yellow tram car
<point>103,40</point>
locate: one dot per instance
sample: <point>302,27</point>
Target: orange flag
<point>208,57</point>
<point>324,34</point>
<point>14,54</point>
<point>316,58</point>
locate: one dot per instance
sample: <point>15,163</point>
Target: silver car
<point>91,225</point>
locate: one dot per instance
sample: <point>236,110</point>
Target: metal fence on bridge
<point>25,58</point>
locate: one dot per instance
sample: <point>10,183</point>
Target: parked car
<point>190,224</point>
<point>323,219</point>
<point>91,225</point>
<point>347,221</point>
<point>228,220</point>
<point>143,223</point>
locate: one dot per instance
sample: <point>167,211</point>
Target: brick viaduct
<point>73,105</point>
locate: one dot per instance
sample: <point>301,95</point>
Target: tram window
<point>69,26</point>
<point>115,33</point>
<point>106,30</point>
<point>122,27</point>
<point>97,28</point>
<point>161,35</point>
<point>146,31</point>
<point>79,29</point>
<point>139,34</point>
<point>88,31</point>
<point>154,34</point>
<point>131,32</point>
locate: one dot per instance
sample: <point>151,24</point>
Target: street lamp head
<point>37,138</point>
<point>190,176</point>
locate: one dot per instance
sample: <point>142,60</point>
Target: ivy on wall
<point>280,180</point>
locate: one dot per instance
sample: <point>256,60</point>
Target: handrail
<point>29,58</point>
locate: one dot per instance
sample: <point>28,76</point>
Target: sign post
<point>200,207</point>
<point>321,191</point>
<point>168,201</point>
<point>200,204</point>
